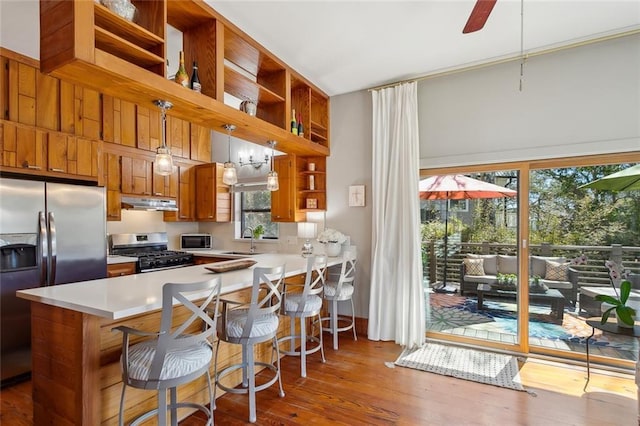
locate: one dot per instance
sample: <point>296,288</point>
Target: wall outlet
<point>292,240</point>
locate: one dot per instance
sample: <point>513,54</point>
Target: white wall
<point>576,102</point>
<point>584,100</point>
<point>350,164</point>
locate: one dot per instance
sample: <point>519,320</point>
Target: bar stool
<point>250,323</point>
<point>303,305</point>
<point>341,291</point>
<point>179,353</point>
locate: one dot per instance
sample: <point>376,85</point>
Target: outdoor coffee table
<point>552,297</point>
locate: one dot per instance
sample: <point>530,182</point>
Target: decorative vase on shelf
<point>332,249</point>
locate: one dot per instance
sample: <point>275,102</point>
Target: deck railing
<point>592,273</point>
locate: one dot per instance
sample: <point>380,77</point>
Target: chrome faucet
<point>252,247</point>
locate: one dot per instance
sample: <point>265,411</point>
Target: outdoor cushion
<point>507,264</point>
<point>538,266</point>
<point>474,266</point>
<point>490,264</point>
<point>556,271</point>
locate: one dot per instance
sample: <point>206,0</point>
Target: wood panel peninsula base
<point>76,376</point>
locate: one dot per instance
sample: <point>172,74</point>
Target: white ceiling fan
<point>479,15</point>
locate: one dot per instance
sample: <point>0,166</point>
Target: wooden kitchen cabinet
<point>200,143</point>
<point>166,186</point>
<point>136,175</point>
<point>37,99</point>
<point>283,201</point>
<point>121,269</point>
<point>119,122</point>
<point>297,196</point>
<point>186,196</point>
<point>30,150</point>
<point>213,197</point>
<point>112,185</point>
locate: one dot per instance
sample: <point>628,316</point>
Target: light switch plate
<point>292,240</point>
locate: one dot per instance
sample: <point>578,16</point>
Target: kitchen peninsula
<point>76,371</point>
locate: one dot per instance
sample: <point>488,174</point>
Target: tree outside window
<point>255,209</point>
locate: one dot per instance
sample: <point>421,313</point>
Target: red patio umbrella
<point>458,187</point>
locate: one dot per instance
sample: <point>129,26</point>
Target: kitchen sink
<point>243,253</point>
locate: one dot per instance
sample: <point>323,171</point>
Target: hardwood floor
<point>355,387</point>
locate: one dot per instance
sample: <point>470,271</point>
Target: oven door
<point>195,242</point>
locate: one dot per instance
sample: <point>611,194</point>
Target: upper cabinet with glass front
<point>99,45</point>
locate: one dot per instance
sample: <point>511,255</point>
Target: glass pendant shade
<point>272,181</point>
<point>272,176</point>
<point>163,163</point>
<point>229,176</point>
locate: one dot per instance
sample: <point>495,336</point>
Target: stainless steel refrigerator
<point>50,234</point>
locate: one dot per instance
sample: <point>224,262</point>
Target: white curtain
<point>396,305</point>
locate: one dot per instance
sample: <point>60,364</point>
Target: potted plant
<point>624,314</point>
<point>258,231</point>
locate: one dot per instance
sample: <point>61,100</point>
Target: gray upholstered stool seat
<point>340,291</point>
<point>302,304</point>
<point>181,351</point>
<point>250,323</point>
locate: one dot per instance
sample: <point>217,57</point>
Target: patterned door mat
<point>463,363</point>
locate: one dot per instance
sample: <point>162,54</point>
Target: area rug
<point>469,364</point>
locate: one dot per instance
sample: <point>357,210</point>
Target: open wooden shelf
<point>242,87</point>
<point>85,43</point>
<point>130,52</point>
<point>112,23</point>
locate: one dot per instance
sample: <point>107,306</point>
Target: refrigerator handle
<point>53,244</point>
<point>44,247</point>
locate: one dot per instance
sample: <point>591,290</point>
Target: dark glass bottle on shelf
<point>195,80</point>
<point>181,75</point>
<point>300,126</point>
<point>294,123</point>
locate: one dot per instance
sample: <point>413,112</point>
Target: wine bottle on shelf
<point>195,80</point>
<point>181,75</point>
<point>300,126</point>
<point>294,123</point>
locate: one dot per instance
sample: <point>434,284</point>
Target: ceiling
<point>344,46</point>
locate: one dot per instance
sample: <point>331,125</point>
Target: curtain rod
<point>510,59</point>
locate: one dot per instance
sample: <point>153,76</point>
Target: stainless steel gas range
<point>150,249</point>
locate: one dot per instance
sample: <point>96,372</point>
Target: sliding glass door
<point>470,253</point>
<point>522,273</point>
<point>583,241</point>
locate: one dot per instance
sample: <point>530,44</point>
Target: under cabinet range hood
<point>153,204</point>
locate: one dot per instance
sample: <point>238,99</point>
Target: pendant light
<point>272,176</point>
<point>229,176</point>
<point>163,163</point>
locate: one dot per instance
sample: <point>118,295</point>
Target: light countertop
<point>121,297</point>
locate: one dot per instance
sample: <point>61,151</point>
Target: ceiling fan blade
<point>479,15</point>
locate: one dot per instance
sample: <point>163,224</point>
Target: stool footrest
<point>228,370</point>
<point>148,414</point>
<point>309,351</point>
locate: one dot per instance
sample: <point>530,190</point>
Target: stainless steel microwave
<point>195,242</point>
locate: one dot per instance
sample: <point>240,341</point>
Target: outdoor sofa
<point>554,272</point>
